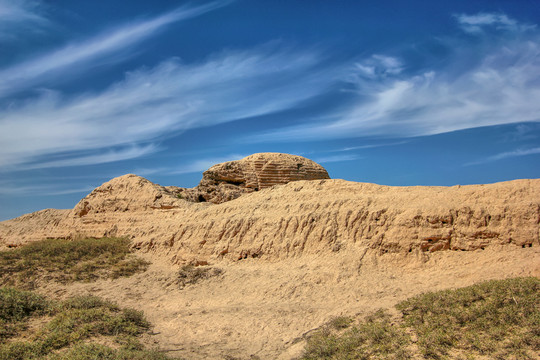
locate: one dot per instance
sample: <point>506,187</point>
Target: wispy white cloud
<point>14,11</point>
<point>42,190</point>
<point>337,158</point>
<point>501,88</point>
<point>506,155</point>
<point>72,57</point>
<point>523,132</point>
<point>201,165</point>
<point>197,166</point>
<point>160,102</point>
<point>371,146</point>
<point>378,66</point>
<point>111,155</point>
<point>130,117</point>
<point>17,16</point>
<point>477,22</point>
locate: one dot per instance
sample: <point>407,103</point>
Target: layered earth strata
<point>288,216</point>
<point>229,180</point>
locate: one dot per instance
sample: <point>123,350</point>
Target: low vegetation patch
<point>499,319</point>
<point>374,338</point>
<point>67,261</point>
<point>16,307</point>
<point>74,329</point>
<point>190,274</point>
<point>494,320</point>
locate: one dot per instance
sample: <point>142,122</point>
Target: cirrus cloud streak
<point>79,55</point>
<point>151,104</point>
<point>501,86</point>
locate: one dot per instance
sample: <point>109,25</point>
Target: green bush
<point>15,307</point>
<point>374,338</point>
<point>21,350</point>
<point>87,316</point>
<point>69,328</point>
<point>95,351</point>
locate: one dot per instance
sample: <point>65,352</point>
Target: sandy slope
<point>264,308</point>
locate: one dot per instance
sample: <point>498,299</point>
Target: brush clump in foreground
<point>84,327</point>
<point>66,261</point>
<point>498,319</point>
<point>374,338</point>
<point>62,330</point>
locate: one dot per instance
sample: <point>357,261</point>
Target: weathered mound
<point>127,193</point>
<point>293,255</point>
<point>48,223</point>
<point>230,180</point>
<point>325,216</point>
<point>303,217</point>
<point>344,248</point>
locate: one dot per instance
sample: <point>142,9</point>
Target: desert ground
<point>290,254</point>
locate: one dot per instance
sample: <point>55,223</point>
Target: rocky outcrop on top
<point>294,218</point>
<point>229,180</point>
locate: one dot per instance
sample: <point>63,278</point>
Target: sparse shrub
<point>499,318</point>
<point>15,307</point>
<point>66,261</point>
<point>21,350</point>
<point>340,322</point>
<point>86,302</point>
<point>72,324</point>
<point>101,352</point>
<point>374,338</point>
<point>87,316</point>
<point>190,274</point>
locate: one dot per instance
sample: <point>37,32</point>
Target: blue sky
<point>391,92</point>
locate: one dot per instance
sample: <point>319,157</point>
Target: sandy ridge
<point>303,217</point>
<point>292,255</point>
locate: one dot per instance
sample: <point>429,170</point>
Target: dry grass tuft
<point>374,338</point>
<point>67,261</point>
<point>497,319</point>
<point>70,329</point>
<point>190,274</point>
